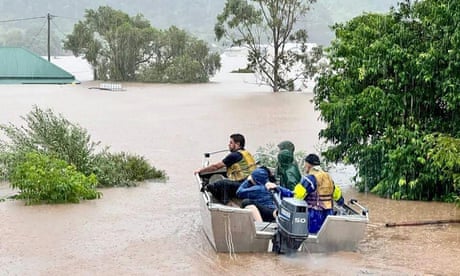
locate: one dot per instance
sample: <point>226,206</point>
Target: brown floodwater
<point>155,228</point>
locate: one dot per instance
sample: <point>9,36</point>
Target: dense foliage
<point>265,28</point>
<point>123,169</point>
<point>177,57</point>
<point>42,178</point>
<point>51,135</point>
<point>194,16</point>
<point>119,46</point>
<point>391,100</point>
<point>50,147</point>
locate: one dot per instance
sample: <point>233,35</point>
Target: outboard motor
<point>292,222</point>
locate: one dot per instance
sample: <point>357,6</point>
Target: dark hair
<point>238,138</point>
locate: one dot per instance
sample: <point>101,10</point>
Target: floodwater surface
<point>155,228</point>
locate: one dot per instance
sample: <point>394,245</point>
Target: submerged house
<point>21,66</point>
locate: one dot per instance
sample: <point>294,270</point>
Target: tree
<point>112,42</point>
<point>195,16</point>
<point>126,48</point>
<point>255,23</point>
<point>391,103</point>
<point>178,57</point>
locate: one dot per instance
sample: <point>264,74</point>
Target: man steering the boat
<point>318,189</point>
<point>239,163</point>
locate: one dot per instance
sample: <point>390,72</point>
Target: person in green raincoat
<point>287,170</point>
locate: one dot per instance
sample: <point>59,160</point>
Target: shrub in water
<point>55,136</point>
<point>43,178</point>
<point>119,169</point>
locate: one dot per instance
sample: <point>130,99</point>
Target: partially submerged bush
<point>41,178</point>
<point>243,70</point>
<point>120,169</point>
<point>54,137</point>
<point>49,134</point>
<point>267,156</point>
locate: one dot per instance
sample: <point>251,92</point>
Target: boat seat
<point>265,228</point>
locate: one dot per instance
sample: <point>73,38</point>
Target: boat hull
<point>231,229</point>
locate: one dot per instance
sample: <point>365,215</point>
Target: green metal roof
<point>18,65</point>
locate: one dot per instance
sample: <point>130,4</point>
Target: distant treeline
<point>24,23</point>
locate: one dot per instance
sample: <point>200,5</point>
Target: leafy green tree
<point>391,100</point>
<point>256,23</point>
<point>178,57</point>
<point>127,48</point>
<point>112,42</point>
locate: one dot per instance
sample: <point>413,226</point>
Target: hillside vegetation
<point>24,23</point>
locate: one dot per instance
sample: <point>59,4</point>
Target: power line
<point>37,17</point>
<point>48,21</point>
<point>22,19</point>
<point>48,17</point>
<point>36,35</point>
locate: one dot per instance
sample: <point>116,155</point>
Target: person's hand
<point>270,185</point>
<point>197,171</point>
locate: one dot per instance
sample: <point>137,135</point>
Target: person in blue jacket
<point>318,189</point>
<point>256,197</point>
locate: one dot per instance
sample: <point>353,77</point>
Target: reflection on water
<point>155,229</point>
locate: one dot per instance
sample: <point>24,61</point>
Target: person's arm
<point>283,191</point>
<point>309,182</point>
<point>229,160</point>
<point>247,189</point>
<point>210,168</point>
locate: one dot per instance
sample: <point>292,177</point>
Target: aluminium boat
<point>230,228</point>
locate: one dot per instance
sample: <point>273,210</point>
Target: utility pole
<point>49,34</point>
